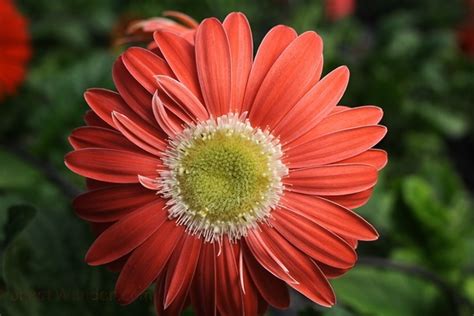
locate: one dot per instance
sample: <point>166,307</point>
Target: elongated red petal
<point>132,92</point>
<point>181,17</point>
<point>103,102</point>
<point>314,106</point>
<point>184,98</point>
<point>335,147</point>
<point>241,53</point>
<point>297,64</point>
<point>374,157</point>
<point>273,44</point>
<point>353,200</point>
<point>332,179</point>
<point>127,234</point>
<point>92,119</point>
<point>331,272</point>
<point>147,261</point>
<point>181,269</point>
<point>214,66</point>
<point>143,65</point>
<point>308,278</point>
<point>112,165</point>
<point>112,203</point>
<point>203,291</point>
<point>179,55</point>
<point>176,307</point>
<point>137,135</point>
<point>330,215</point>
<point>250,295</point>
<point>99,137</point>
<point>272,289</point>
<point>313,239</point>
<point>341,120</point>
<point>167,121</point>
<point>229,295</point>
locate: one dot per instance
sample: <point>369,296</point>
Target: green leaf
<point>14,173</point>
<point>371,291</point>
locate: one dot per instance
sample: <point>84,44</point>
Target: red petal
<point>167,121</point>
<point>137,97</point>
<point>374,157</point>
<point>176,307</point>
<point>147,261</point>
<point>143,65</point>
<point>181,17</point>
<point>250,295</point>
<point>339,108</point>
<point>214,66</point>
<point>272,289</point>
<point>127,234</point>
<point>306,277</point>
<point>93,119</point>
<point>348,118</point>
<point>352,200</point>
<point>103,102</point>
<point>335,147</point>
<point>229,298</point>
<point>182,266</point>
<point>330,215</point>
<point>273,44</point>
<point>203,291</point>
<point>239,34</point>
<point>331,272</point>
<point>314,106</point>
<point>112,165</point>
<point>138,135</point>
<point>290,77</point>
<point>332,180</point>
<point>179,55</point>
<point>313,239</point>
<point>184,98</point>
<point>112,203</point>
<point>99,137</point>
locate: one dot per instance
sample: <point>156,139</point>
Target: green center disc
<point>223,177</point>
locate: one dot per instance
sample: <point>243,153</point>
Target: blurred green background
<point>404,56</point>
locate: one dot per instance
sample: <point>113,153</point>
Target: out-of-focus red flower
<point>465,32</point>
<point>142,30</point>
<point>15,49</point>
<point>224,178</point>
<point>338,9</point>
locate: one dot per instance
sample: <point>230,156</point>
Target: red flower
<point>15,48</point>
<point>338,9</point>
<point>465,33</point>
<point>223,179</point>
<point>142,30</point>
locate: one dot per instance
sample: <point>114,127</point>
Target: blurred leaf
<point>14,173</point>
<point>387,293</point>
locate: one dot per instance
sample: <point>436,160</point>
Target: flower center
<point>224,177</point>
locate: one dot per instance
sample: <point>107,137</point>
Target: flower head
<point>15,48</point>
<point>223,178</point>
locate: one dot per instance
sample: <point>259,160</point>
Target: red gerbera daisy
<point>143,30</point>
<point>223,179</point>
<point>15,48</point>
